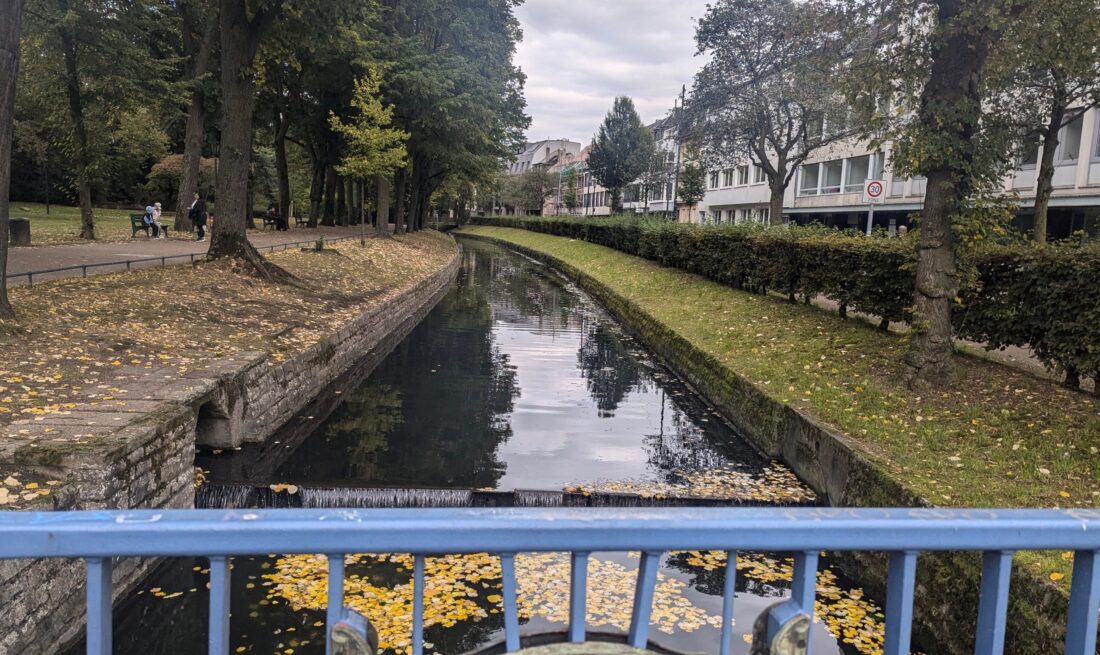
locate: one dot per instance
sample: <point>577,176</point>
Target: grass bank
<point>996,438</point>
<point>76,340</point>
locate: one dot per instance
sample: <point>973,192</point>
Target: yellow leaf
<point>1055,577</point>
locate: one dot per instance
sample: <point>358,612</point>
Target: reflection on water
<point>515,381</point>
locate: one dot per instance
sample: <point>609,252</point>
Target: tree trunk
<point>400,192</point>
<point>81,153</point>
<point>11,21</point>
<point>349,195</point>
<point>191,167</point>
<point>1044,186</point>
<point>329,217</point>
<point>240,38</point>
<point>281,170</point>
<point>382,205</point>
<point>616,201</point>
<point>775,205</point>
<point>316,191</point>
<point>341,202</point>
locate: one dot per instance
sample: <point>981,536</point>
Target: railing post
<point>643,599</point>
<point>511,616</point>
<point>578,599</point>
<point>335,597</point>
<point>901,583</point>
<point>218,638</point>
<point>418,605</point>
<point>993,605</point>
<point>728,592</point>
<point>1084,603</point>
<point>99,606</point>
<point>804,588</point>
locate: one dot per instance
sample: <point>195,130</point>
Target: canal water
<point>517,380</point>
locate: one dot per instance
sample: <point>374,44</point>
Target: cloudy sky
<point>580,54</point>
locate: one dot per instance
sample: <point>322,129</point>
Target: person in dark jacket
<point>197,214</point>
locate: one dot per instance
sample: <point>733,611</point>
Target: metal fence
<point>157,261</point>
<point>97,537</point>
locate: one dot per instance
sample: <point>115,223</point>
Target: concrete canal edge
<point>946,601</point>
<point>141,455</point>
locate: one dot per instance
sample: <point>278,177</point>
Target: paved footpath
<point>40,258</point>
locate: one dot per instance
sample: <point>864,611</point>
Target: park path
<point>41,258</point>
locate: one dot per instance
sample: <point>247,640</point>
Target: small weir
<point>516,391</point>
<point>240,496</point>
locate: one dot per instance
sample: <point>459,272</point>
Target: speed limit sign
<point>874,192</point>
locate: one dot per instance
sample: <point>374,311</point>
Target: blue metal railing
<point>99,536</point>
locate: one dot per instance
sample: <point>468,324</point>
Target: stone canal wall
<point>946,599</point>
<point>136,449</point>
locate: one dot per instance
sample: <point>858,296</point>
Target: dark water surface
<point>515,381</point>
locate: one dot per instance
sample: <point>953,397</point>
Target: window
<point>1029,152</point>
<point>713,180</point>
<point>1096,139</point>
<point>879,165</point>
<point>764,214</point>
<point>742,175</point>
<point>831,172</point>
<point>727,178</point>
<point>859,169</point>
<point>758,176</point>
<point>657,193</point>
<point>810,176</point>
<point>1069,146</point>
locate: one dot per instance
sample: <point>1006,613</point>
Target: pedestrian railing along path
<point>153,262</point>
<point>97,537</point>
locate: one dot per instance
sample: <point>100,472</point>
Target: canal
<point>516,381</point>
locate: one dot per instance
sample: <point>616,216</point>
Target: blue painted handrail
<point>218,535</point>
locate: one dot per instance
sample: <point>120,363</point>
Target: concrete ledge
<point>947,583</point>
<point>136,449</point>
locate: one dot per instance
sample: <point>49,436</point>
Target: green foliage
<point>373,145</point>
<point>1019,295</point>
<point>693,183</point>
<point>529,190</point>
<point>622,150</point>
<point>569,195</point>
<point>163,180</point>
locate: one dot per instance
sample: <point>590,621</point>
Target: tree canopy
<point>622,150</point>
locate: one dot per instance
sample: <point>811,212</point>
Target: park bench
<point>273,223</point>
<point>137,223</point>
<point>300,221</point>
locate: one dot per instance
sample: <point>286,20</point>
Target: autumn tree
<point>374,148</point>
<point>11,21</point>
<point>931,99</point>
<point>1047,77</point>
<point>775,105</point>
<point>198,20</point>
<point>622,150</point>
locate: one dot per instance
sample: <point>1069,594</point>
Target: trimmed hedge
<point>1046,298</point>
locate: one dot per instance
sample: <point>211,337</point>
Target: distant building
<point>543,153</point>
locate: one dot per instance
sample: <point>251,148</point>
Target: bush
<point>1046,298</point>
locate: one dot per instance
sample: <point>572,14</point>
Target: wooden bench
<point>137,223</point>
<point>273,223</point>
<point>300,221</point>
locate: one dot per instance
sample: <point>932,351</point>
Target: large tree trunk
<point>81,153</point>
<point>316,190</point>
<point>281,170</point>
<point>1044,186</point>
<point>953,89</point>
<point>240,38</point>
<point>401,187</point>
<point>775,205</point>
<point>191,168</point>
<point>382,205</point>
<point>329,217</point>
<point>11,22</point>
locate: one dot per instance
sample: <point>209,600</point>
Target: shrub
<point>1043,297</point>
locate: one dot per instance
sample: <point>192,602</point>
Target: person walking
<point>197,214</point>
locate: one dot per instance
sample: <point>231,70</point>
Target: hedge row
<point>1047,298</point>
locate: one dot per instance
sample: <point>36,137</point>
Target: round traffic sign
<point>875,189</point>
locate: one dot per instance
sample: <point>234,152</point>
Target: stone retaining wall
<point>945,605</point>
<point>136,450</point>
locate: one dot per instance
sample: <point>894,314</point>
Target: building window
<point>831,174</point>
<point>727,178</point>
<point>764,214</point>
<point>879,166</point>
<point>713,180</point>
<point>1029,152</point>
<point>742,175</point>
<point>1069,147</point>
<point>810,176</point>
<point>758,176</point>
<point>859,169</point>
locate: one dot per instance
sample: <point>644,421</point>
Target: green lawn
<point>996,438</point>
<point>62,224</point>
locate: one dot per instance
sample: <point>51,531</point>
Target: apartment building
<point>542,153</point>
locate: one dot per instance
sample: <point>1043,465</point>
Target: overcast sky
<point>580,54</point>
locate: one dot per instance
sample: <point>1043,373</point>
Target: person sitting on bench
<point>151,220</point>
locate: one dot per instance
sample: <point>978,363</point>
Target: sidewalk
<point>38,258</point>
